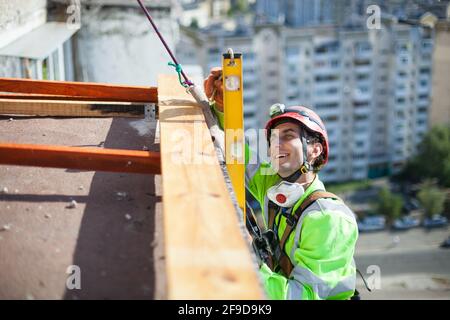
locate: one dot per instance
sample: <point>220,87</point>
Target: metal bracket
<point>150,111</point>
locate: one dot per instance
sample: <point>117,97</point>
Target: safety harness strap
<point>284,261</point>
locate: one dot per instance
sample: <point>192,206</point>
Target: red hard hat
<point>305,116</point>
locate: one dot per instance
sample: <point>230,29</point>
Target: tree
<point>433,158</point>
<point>194,23</point>
<point>389,204</point>
<point>431,198</point>
<point>239,7</point>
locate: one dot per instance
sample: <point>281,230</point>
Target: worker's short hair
<point>311,138</point>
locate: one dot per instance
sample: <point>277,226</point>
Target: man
<point>315,232</point>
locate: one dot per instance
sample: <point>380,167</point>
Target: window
<point>359,62</point>
<point>359,156</point>
<point>248,100</point>
<point>292,51</point>
<point>322,106</point>
<point>425,70</point>
<point>213,51</point>
<point>421,121</point>
<point>293,96</point>
<point>320,64</point>
<point>330,119</point>
<point>327,91</point>
<point>332,46</point>
<point>364,76</point>
<point>249,56</point>
<point>360,117</point>
<point>422,110</point>
<point>248,85</point>
<point>324,78</point>
<point>357,104</point>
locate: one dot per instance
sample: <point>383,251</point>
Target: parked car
<point>410,204</point>
<point>436,221</point>
<point>372,223</point>
<point>446,243</point>
<point>405,222</point>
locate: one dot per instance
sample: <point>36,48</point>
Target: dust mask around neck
<point>285,194</point>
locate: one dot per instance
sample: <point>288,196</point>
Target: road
<point>411,264</point>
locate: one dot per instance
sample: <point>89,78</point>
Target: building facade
<point>372,88</point>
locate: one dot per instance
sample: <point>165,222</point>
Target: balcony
<point>363,54</point>
<point>250,108</point>
<point>363,69</point>
<point>327,98</point>
<point>294,59</point>
<point>250,77</point>
<point>326,70</point>
<point>427,46</point>
<point>251,122</point>
<point>360,96</point>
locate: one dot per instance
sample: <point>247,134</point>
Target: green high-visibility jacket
<point>321,247</point>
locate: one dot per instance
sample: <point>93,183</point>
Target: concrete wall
<point>117,45</point>
<point>18,17</point>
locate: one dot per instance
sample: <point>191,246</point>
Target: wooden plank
<point>15,96</point>
<point>91,159</point>
<point>206,254</point>
<point>99,91</point>
<point>71,108</point>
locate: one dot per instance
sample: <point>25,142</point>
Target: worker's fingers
<point>219,102</point>
<point>209,85</point>
<point>213,83</point>
<point>216,72</point>
<point>218,84</point>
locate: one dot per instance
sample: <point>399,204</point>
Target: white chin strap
<point>285,194</point>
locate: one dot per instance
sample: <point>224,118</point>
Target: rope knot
<point>178,69</point>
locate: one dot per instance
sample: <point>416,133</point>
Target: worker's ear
<point>314,151</point>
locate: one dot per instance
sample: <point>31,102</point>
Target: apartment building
<point>371,88</point>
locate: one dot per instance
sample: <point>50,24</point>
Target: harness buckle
<point>290,220</point>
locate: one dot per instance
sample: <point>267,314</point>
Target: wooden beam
<point>71,108</point>
<point>90,159</point>
<point>206,254</point>
<point>22,96</point>
<point>98,91</point>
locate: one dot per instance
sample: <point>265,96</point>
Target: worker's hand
<point>213,87</point>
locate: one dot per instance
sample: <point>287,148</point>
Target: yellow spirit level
<point>234,123</point>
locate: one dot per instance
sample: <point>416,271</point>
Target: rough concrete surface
<point>113,233</point>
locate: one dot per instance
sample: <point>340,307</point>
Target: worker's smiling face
<point>286,153</point>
